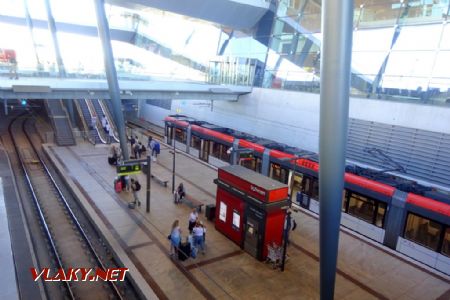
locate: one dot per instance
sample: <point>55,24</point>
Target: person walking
<point>193,217</point>
<point>132,142</point>
<point>93,122</point>
<point>104,122</point>
<point>175,238</point>
<point>111,135</point>
<point>135,187</point>
<point>181,192</point>
<point>156,150</point>
<point>136,151</point>
<point>290,225</point>
<point>151,145</point>
<point>107,129</point>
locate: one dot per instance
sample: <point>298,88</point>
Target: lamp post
<point>173,167</point>
<point>286,228</point>
<point>288,218</point>
<point>149,175</point>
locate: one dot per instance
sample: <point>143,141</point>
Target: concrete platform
<point>140,242</point>
<point>8,285</point>
<point>16,250</point>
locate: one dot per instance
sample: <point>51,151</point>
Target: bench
<point>194,203</point>
<point>160,181</point>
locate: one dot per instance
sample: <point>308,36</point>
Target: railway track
<point>145,131</point>
<point>68,241</point>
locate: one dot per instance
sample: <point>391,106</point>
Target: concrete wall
<point>153,114</point>
<point>293,117</point>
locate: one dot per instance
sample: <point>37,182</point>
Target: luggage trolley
<point>274,255</point>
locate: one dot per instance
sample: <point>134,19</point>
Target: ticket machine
<point>250,209</point>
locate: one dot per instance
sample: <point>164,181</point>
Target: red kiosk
<point>250,209</point>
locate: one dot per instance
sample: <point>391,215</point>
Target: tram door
<point>303,195</point>
<point>204,150</point>
<point>252,237</point>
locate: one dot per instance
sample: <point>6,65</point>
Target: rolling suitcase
<point>117,185</point>
<point>184,251</point>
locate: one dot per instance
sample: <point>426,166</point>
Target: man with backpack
<point>155,151</point>
<point>135,187</point>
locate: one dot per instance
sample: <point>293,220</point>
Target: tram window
<point>306,185</point>
<point>249,163</point>
<point>379,221</point>
<point>196,142</point>
<point>345,201</point>
<point>180,135</point>
<point>225,156</point>
<point>361,207</point>
<point>220,151</point>
<point>446,243</point>
<point>423,231</point>
<point>275,171</point>
<point>253,163</point>
<point>298,177</point>
<point>168,131</point>
<point>315,189</point>
<point>216,149</point>
<point>258,165</point>
<point>278,173</point>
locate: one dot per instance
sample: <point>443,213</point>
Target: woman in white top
<point>198,232</point>
<point>175,238</point>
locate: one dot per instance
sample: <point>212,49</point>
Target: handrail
<point>99,132</point>
<point>83,122</point>
<point>110,119</point>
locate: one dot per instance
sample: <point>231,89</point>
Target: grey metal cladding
<point>424,154</point>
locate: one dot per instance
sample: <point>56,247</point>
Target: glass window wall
<point>180,135</point>
<point>367,209</point>
<point>220,151</point>
<point>423,231</point>
<point>196,142</point>
<point>446,243</point>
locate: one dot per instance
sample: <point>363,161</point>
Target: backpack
<point>137,186</point>
<point>157,149</point>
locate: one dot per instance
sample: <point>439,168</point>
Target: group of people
<point>126,183</point>
<point>136,147</point>
<point>107,129</point>
<point>105,125</point>
<point>196,237</point>
<point>115,154</point>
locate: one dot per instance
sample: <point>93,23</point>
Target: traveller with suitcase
<point>184,250</point>
<point>118,185</point>
<point>135,187</point>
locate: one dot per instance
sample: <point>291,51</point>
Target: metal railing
<point>110,119</point>
<point>85,130</point>
<point>100,133</point>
